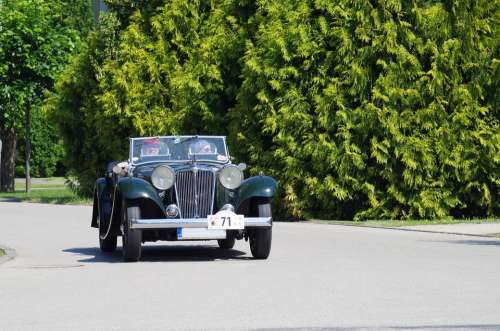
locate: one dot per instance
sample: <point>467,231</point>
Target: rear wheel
<point>260,238</point>
<point>131,239</point>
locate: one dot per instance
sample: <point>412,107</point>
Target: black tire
<point>131,239</point>
<point>108,244</point>
<point>260,239</point>
<point>226,243</point>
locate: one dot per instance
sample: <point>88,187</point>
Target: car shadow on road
<point>165,253</point>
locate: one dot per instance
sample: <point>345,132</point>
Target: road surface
<point>318,277</point>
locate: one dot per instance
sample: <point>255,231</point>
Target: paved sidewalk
<point>51,181</point>
<point>477,229</point>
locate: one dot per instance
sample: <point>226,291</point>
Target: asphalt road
<point>317,277</point>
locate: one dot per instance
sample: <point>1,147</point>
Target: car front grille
<point>195,192</point>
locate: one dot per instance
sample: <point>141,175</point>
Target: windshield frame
<point>131,147</point>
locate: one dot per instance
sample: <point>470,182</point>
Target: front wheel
<point>260,239</point>
<point>108,245</point>
<point>107,241</point>
<point>131,239</point>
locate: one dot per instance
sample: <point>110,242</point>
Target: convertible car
<point>182,188</point>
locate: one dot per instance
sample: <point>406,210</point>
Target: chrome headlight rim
<point>157,181</point>
<point>235,170</point>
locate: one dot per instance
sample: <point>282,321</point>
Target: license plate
<point>226,220</point>
<point>200,234</point>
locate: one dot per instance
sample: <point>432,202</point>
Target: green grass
<point>46,190</point>
<point>2,252</point>
<point>22,187</point>
<point>395,224</point>
<point>58,194</point>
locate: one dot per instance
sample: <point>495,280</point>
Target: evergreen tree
<point>375,110</point>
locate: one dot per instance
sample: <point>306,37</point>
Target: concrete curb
<point>9,254</point>
<point>414,230</point>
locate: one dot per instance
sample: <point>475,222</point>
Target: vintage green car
<point>182,188</point>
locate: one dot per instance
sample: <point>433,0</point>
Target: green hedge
<point>360,109</point>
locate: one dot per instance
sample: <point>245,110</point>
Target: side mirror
<point>242,166</point>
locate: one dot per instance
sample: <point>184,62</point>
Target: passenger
<point>150,147</point>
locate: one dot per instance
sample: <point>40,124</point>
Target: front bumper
<point>172,223</point>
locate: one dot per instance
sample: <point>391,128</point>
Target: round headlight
<point>163,177</point>
<point>231,177</point>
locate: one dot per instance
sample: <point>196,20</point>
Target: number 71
<point>224,218</point>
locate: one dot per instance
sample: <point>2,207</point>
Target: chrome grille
<point>195,192</point>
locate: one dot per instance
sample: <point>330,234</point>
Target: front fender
<point>258,186</point>
<point>99,196</point>
<point>131,188</point>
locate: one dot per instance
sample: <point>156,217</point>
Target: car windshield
<point>178,149</point>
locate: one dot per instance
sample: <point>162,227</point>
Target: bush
<point>375,110</point>
<point>20,172</point>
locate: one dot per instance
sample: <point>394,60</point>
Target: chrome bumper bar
<point>166,223</point>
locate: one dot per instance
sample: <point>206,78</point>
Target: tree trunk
<point>8,162</point>
<point>27,153</point>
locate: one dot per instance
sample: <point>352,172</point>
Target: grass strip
<point>56,195</point>
<point>396,223</point>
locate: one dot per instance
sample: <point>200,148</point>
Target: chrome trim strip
<point>180,162</point>
<point>165,223</point>
<point>214,187</point>
<point>265,222</point>
<point>177,196</point>
<point>196,193</point>
<point>181,136</point>
<point>110,217</point>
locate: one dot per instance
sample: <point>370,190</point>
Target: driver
<point>151,147</point>
<point>201,147</point>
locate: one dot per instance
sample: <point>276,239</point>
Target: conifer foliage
<point>361,109</point>
<point>376,110</point>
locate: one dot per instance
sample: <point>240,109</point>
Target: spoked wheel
<point>108,244</point>
<point>226,243</point>
<point>260,239</point>
<point>131,239</point>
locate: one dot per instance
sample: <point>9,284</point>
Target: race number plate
<point>226,220</point>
